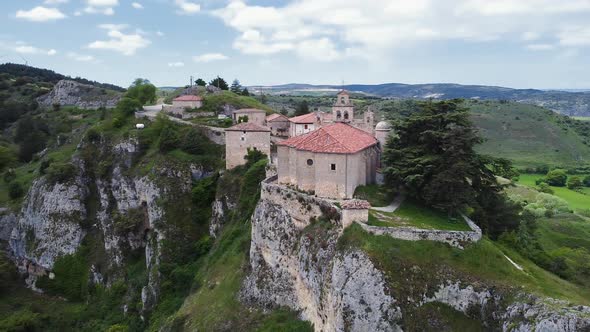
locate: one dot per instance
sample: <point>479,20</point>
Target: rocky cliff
<point>297,261</point>
<point>109,212</point>
<point>71,93</point>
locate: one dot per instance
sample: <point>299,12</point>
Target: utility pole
<point>191,81</point>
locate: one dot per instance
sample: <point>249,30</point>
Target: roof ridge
<point>336,139</point>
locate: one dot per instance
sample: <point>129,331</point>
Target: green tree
<point>15,190</point>
<point>556,177</point>
<point>574,182</point>
<point>7,157</point>
<point>253,155</point>
<point>127,106</point>
<point>200,82</point>
<point>220,83</point>
<point>245,92</point>
<point>586,181</point>
<point>236,87</point>
<point>432,158</point>
<point>545,188</point>
<point>302,108</point>
<point>142,90</point>
<point>168,139</point>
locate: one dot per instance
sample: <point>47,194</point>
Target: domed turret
<point>382,130</point>
<point>383,125</point>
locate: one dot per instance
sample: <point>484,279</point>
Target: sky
<point>521,43</point>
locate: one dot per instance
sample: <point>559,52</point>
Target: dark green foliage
<point>545,188</point>
<point>71,276</point>
<point>23,320</point>
<point>250,190</point>
<point>58,172</point>
<point>433,159</point>
<point>284,321</point>
<point>501,167</point>
<point>243,118</point>
<point>302,108</point>
<point>586,181</point>
<point>200,82</point>
<point>245,92</point>
<point>574,182</point>
<point>127,106</point>
<point>7,157</point>
<point>169,139</point>
<point>142,91</point>
<point>194,141</point>
<point>220,83</point>
<point>15,190</point>
<point>556,177</point>
<point>253,156</point>
<point>8,273</point>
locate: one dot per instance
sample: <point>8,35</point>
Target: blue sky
<point>524,43</point>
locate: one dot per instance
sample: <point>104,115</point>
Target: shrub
<point>193,141</point>
<point>168,139</point>
<point>118,122</point>
<point>574,182</point>
<point>15,190</point>
<point>586,181</point>
<point>23,320</point>
<point>556,177</point>
<point>60,172</point>
<point>545,188</point>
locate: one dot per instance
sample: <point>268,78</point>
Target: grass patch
<point>575,199</point>
<point>434,262</point>
<point>413,214</point>
<point>376,195</point>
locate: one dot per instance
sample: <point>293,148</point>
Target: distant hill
<point>49,76</point>
<point>573,103</point>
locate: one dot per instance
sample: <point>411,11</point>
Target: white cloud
<point>124,43</point>
<point>137,5</point>
<point>24,48</point>
<point>104,7</point>
<point>81,57</point>
<point>208,57</point>
<point>159,33</point>
<point>186,7</point>
<point>176,64</point>
<point>540,47</point>
<point>40,14</point>
<point>54,2</point>
<point>372,28</point>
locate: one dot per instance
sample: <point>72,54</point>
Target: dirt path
<point>393,206</point>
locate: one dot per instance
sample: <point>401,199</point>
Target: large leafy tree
<point>302,108</point>
<point>220,83</point>
<point>142,90</point>
<point>200,82</point>
<point>432,158</point>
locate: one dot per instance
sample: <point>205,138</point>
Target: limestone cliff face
<point>120,212</point>
<point>295,262</point>
<point>72,93</point>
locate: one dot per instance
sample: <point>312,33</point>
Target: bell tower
<point>343,110</point>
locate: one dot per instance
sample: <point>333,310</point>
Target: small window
<point>242,138</point>
<point>333,167</point>
<point>309,162</point>
<point>305,126</point>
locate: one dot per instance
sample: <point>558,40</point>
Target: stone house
<point>253,115</point>
<point>330,161</point>
<point>240,138</point>
<point>189,101</point>
<point>303,124</point>
<point>278,124</point>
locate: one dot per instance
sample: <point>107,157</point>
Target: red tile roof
<point>333,138</point>
<point>305,118</point>
<point>188,98</point>
<point>247,126</point>
<point>276,117</point>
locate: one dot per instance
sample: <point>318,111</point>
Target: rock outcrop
<point>296,262</point>
<point>72,93</point>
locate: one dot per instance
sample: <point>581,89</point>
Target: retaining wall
<point>456,239</point>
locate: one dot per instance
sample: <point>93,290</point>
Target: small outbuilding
<point>330,161</point>
<point>190,101</point>
<point>251,115</point>
<point>303,124</point>
<point>244,136</point>
<point>278,124</point>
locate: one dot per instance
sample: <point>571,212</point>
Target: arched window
<point>342,100</point>
<point>345,115</point>
<point>338,115</point>
<point>309,162</point>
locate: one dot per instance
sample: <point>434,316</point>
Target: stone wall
<point>238,143</point>
<point>456,239</point>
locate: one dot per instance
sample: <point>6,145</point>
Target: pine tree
<point>220,83</point>
<point>200,82</point>
<point>302,108</point>
<point>236,87</point>
<point>245,92</point>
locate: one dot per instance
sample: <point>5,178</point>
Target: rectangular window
<point>305,127</point>
<point>333,167</point>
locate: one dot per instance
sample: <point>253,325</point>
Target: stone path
<point>393,206</point>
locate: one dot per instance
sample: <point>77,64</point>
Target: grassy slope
<point>528,135</point>
<point>415,215</point>
<point>481,262</point>
<point>575,199</point>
